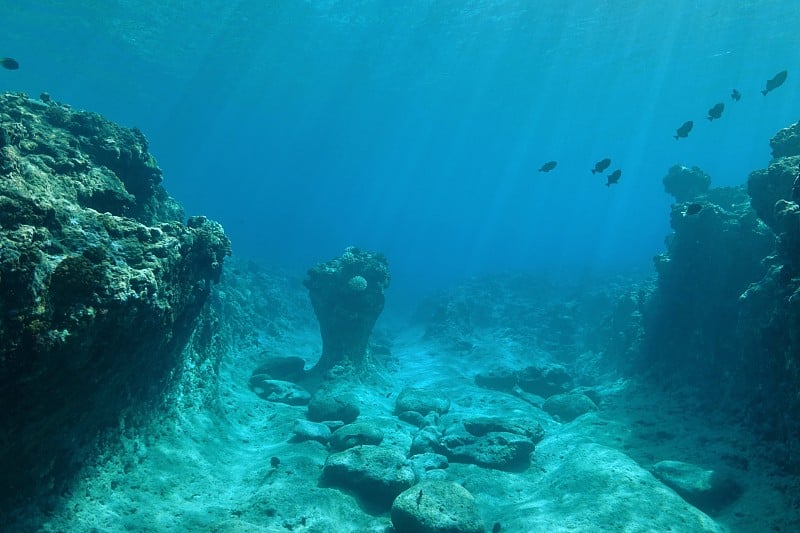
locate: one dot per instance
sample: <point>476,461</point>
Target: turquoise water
<point>416,128</point>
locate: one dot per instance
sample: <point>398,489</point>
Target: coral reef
<point>101,283</point>
<point>686,183</point>
<point>726,310</point>
<point>347,294</point>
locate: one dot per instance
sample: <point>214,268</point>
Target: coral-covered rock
<point>375,473</point>
<point>786,142</point>
<point>347,294</point>
<point>100,285</point>
<point>685,183</point>
<point>767,186</point>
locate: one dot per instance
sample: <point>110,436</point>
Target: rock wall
<point>725,315</point>
<point>101,283</point>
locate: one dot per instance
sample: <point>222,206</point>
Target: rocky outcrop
<point>101,282</point>
<point>347,296</point>
<point>726,312</point>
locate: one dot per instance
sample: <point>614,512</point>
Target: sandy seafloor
<point>209,469</point>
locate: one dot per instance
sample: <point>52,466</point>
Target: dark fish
<point>716,111</point>
<point>9,63</point>
<point>547,167</point>
<point>601,166</point>
<point>684,130</point>
<point>736,95</point>
<point>693,209</point>
<point>776,81</point>
<point>613,178</point>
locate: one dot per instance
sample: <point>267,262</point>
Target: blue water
<point>416,127</point>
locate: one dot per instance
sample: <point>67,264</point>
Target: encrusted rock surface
<point>347,296</point>
<point>725,315</point>
<point>100,285</point>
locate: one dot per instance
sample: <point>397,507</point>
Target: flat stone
<point>481,425</point>
<point>305,430</point>
<point>355,434</point>
<point>708,490</point>
<point>503,379</point>
<point>274,390</point>
<point>434,506</point>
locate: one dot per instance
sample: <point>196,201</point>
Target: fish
<point>9,63</point>
<point>776,81</point>
<point>684,130</point>
<point>736,95</point>
<point>613,178</point>
<point>547,167</point>
<point>601,166</point>
<point>716,111</point>
<point>693,209</point>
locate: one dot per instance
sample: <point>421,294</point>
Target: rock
<point>590,487</point>
<point>544,380</point>
<point>356,434</point>
<point>376,474</point>
<point>481,425</point>
<point>101,286</point>
<point>412,417</point>
<point>767,186</point>
<point>423,463</point>
<point>330,405</point>
<point>786,142</point>
<point>708,490</point>
<point>685,184</point>
<point>288,368</point>
<point>421,401</point>
<point>275,390</point>
<point>436,507</point>
<point>304,430</point>
<point>426,440</point>
<point>498,450</point>
<point>347,296</point>
<point>568,407</point>
<point>503,379</point>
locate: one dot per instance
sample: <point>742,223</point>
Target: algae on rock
<point>101,283</point>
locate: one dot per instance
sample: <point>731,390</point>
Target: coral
<point>786,142</point>
<point>767,186</point>
<point>685,183</point>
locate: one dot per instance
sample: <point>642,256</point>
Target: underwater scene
<point>421,266</point>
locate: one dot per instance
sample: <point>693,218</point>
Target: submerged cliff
<point>725,315</point>
<point>101,283</point>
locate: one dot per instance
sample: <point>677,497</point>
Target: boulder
<point>498,450</point>
<point>436,507</point>
<point>481,425</point>
<point>544,380</point>
<point>568,407</point>
<point>376,474</point>
<point>327,405</point>
<point>421,401</point>
<point>355,434</point>
<point>304,430</point>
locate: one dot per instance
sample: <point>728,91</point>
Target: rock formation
<point>726,311</point>
<point>347,294</point>
<point>101,282</point>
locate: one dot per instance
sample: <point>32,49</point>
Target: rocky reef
<point>347,294</point>
<point>725,315</point>
<point>101,283</point>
